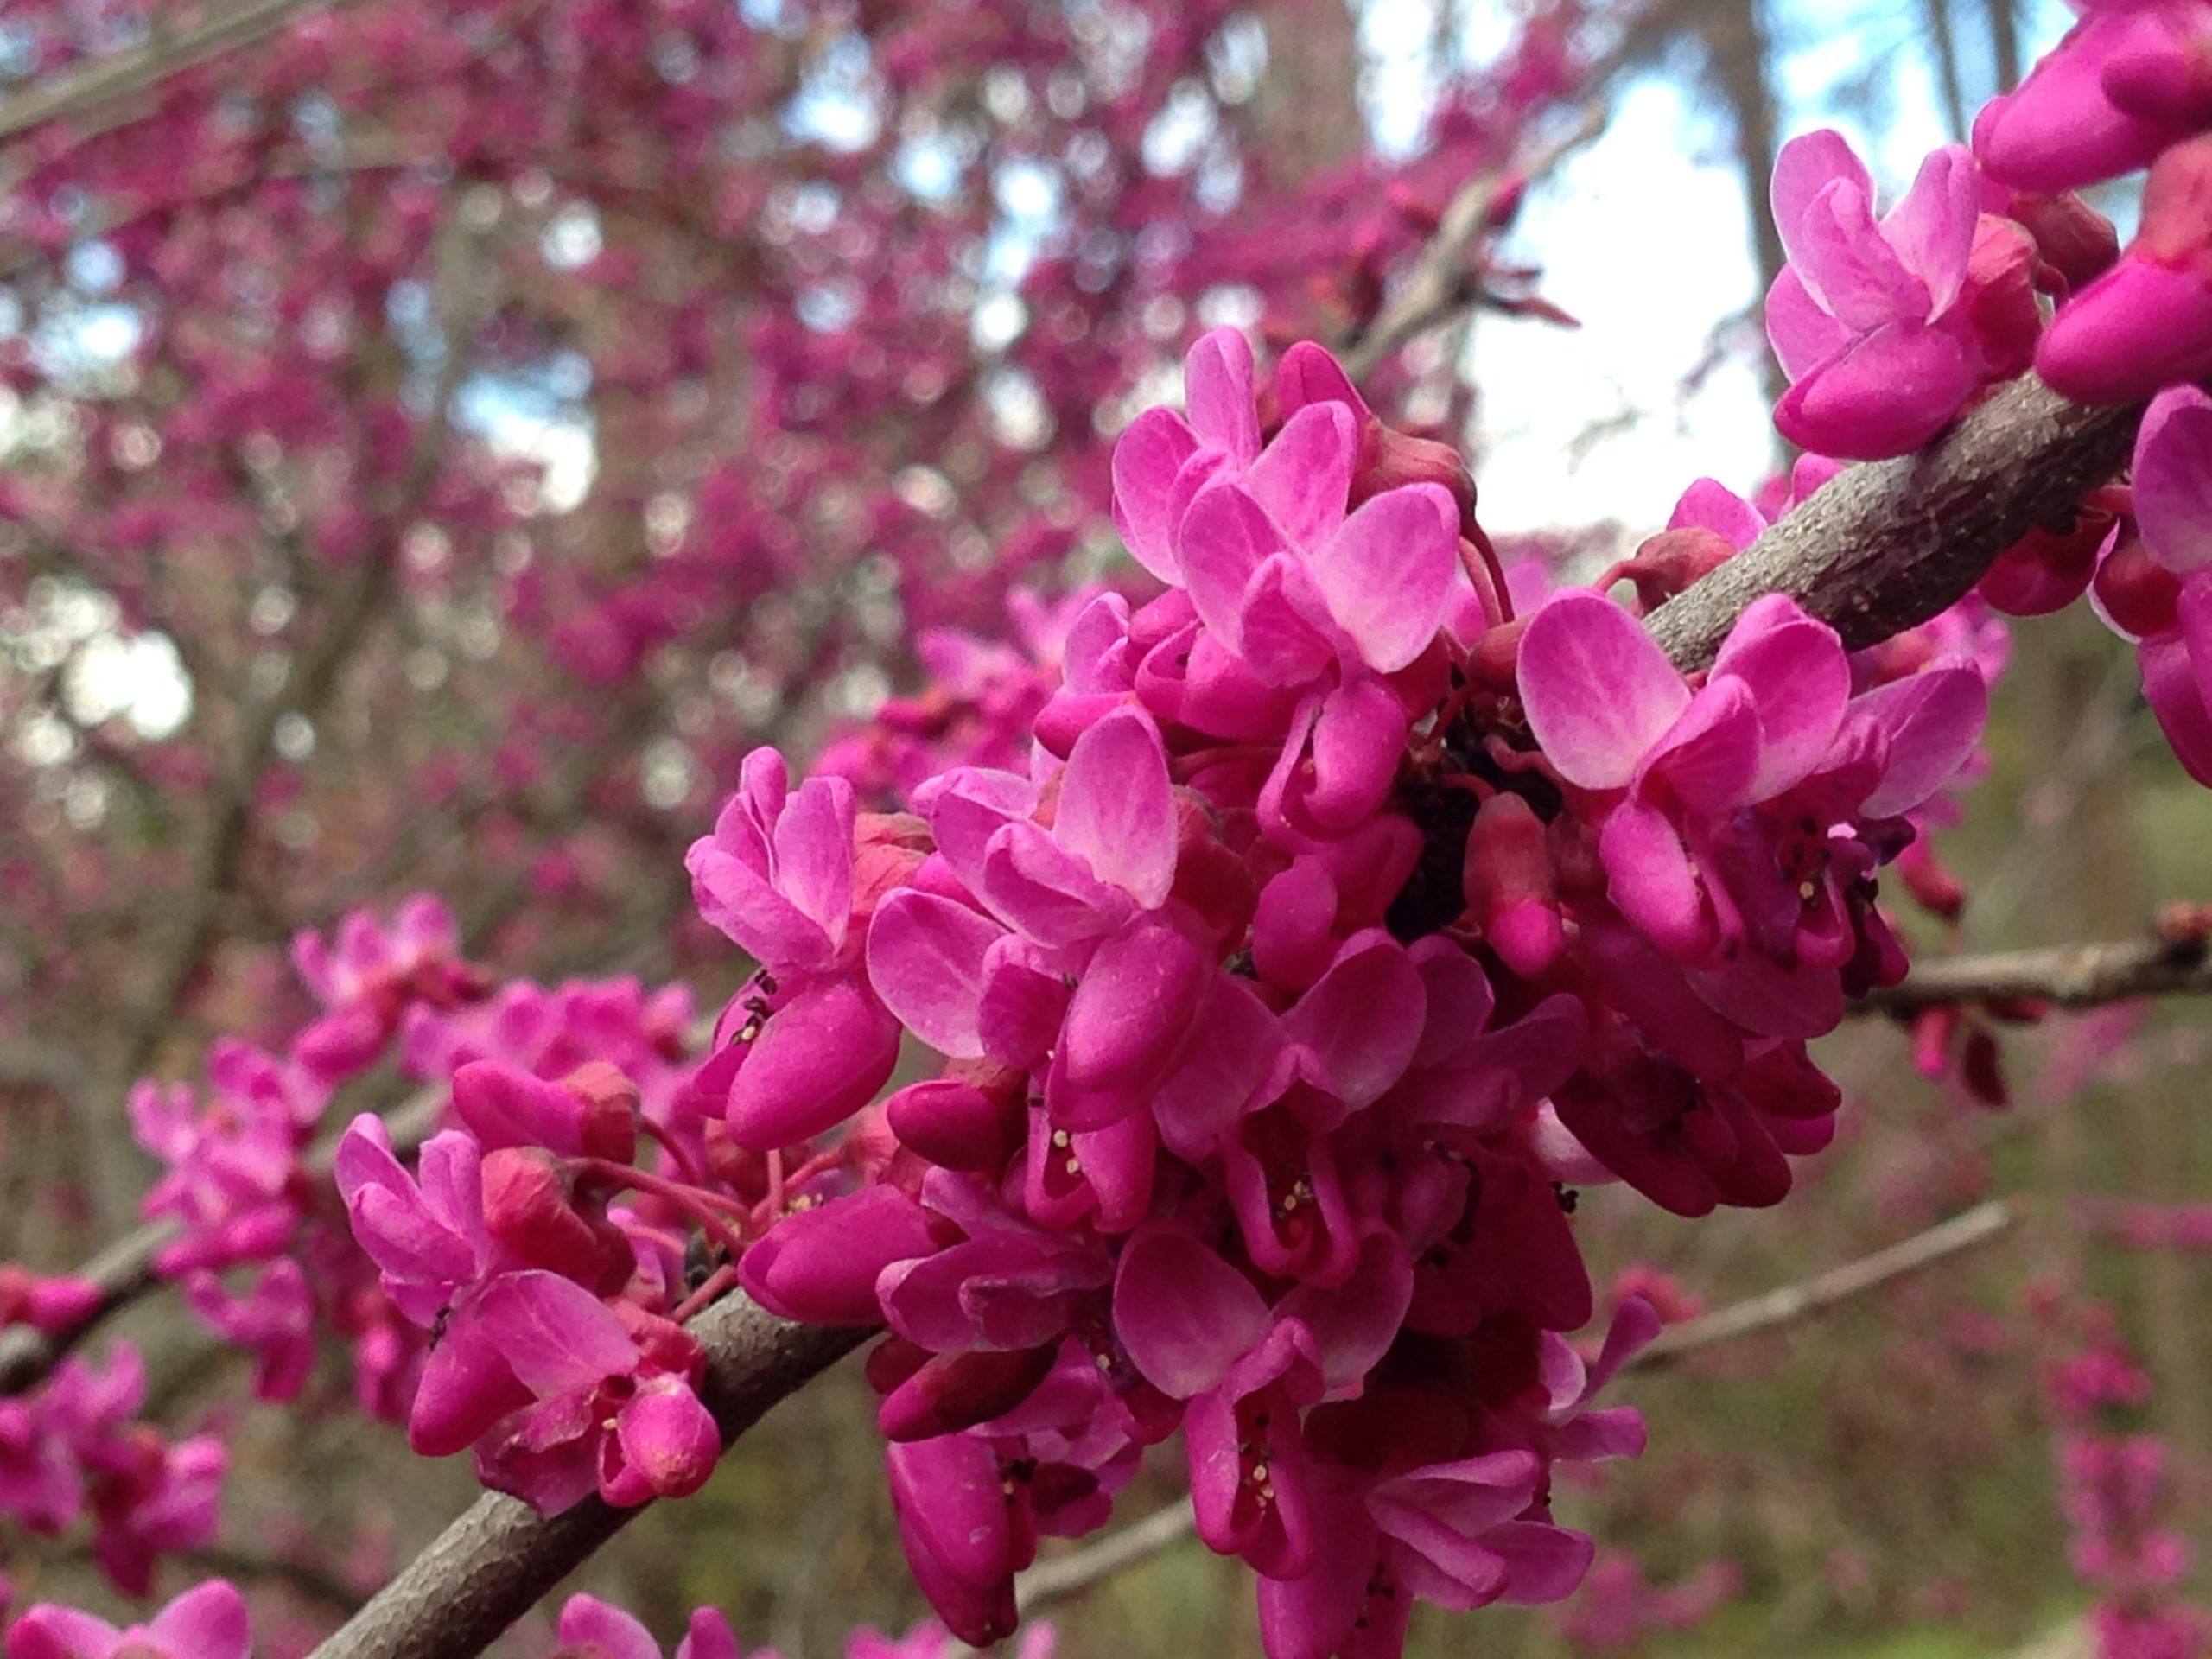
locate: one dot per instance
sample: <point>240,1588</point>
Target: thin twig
<point>103,79</point>
<point>2062,976</point>
<point>490,1565</point>
<point>1444,281</point>
<point>1064,1576</point>
<point>1786,1304</point>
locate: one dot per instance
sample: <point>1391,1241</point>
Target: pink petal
<point>2057,130</point>
<point>1793,670</point>
<point>1848,268</point>
<point>1359,738</point>
<point>46,1631</point>
<point>1709,756</point>
<point>1651,878</point>
<point>1117,810</point>
<point>1152,449</point>
<point>1543,1563</point>
<point>1218,390</point>
<point>1224,538</point>
<point>1304,476</point>
<point>708,1636</point>
<point>1130,1009</point>
<point>1307,374</point>
<point>207,1621</point>
<point>965,808</point>
<point>1023,1003</point>
<point>1933,228</point>
<point>2138,328</point>
<point>1803,334</point>
<point>819,1059</point>
<point>1709,505</point>
<point>1284,632</point>
<point>669,1441</point>
<point>1887,395</point>
<point>553,1334</point>
<point>1040,887</point>
<point>2175,694</point>
<point>587,1619</point>
<point>1364,1018</point>
<point>1598,689</point>
<point>1184,1313</point>
<point>1932,722</point>
<point>925,960</point>
<point>1354,1323</point>
<point>1388,573</point>
<point>1806,166</point>
<point>2172,478</point>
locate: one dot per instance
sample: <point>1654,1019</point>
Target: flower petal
<point>1598,689</point>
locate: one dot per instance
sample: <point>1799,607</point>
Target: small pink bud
<point>1510,886</point>
<point>972,1117</point>
<point>530,1211</point>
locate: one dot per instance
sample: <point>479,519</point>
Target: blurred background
<point>438,439</point>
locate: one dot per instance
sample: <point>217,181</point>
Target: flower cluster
<point>211,1621</point>
<point>1888,328</point>
<point>1336,925</point>
<point>77,1448</point>
<point>2115,1486</point>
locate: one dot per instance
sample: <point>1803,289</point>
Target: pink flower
<point>426,1232</point>
<point>2146,322</point>
<point>1617,719</point>
<point>777,873</point>
<point>208,1622</point>
<point>590,1629</point>
<point>562,1394</point>
<point>2173,517</point>
<point>2128,81</point>
<point>972,981</point>
<point>1873,322</point>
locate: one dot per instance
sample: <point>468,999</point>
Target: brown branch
<point>97,81</point>
<point>1788,1304</point>
<point>2063,976</point>
<point>1444,281</point>
<point>1064,1575</point>
<point>1888,545</point>
<point>490,1565</point>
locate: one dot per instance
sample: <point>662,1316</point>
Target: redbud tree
<point>652,742</point>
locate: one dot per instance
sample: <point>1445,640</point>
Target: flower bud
<point>529,1212</point>
<point>972,1117</point>
<point>820,1265</point>
<point>952,1392</point>
<point>816,1061</point>
<point>2139,594</point>
<point>664,1444</point>
<point>1510,884</point>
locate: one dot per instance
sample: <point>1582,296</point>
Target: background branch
<point>2064,976</point>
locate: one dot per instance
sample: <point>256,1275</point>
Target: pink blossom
<point>2126,83</point>
<point>2146,322</point>
<point>207,1621</point>
<point>1874,322</point>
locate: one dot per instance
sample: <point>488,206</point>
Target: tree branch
<point>1888,545</point>
<point>490,1565</point>
<point>2063,976</point>
<point>103,79</point>
<point>1064,1575</point>
<point>1442,282</point>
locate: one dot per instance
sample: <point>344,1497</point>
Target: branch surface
<point>493,1563</point>
<point>1887,544</point>
<point>2063,976</point>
